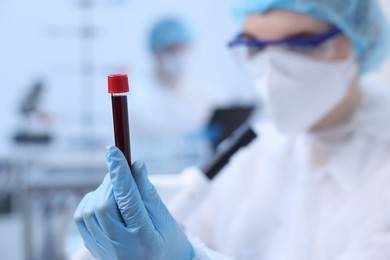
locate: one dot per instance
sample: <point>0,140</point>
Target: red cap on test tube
<point>118,83</point>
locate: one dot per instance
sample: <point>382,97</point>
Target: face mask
<point>298,91</point>
<point>173,65</point>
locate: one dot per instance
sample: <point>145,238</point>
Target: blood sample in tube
<point>118,87</point>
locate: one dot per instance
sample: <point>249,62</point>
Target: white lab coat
<point>323,196</point>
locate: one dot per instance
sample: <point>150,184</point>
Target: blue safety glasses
<point>311,46</point>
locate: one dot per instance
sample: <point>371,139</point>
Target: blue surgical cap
<point>361,21</point>
<point>168,32</point>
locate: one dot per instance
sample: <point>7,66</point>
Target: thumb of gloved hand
<point>126,219</point>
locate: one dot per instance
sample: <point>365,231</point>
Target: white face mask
<point>298,91</point>
<point>173,65</point>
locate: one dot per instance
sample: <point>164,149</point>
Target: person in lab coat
<point>170,91</point>
<point>315,186</point>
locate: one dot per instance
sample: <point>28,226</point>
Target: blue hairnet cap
<point>361,21</point>
<point>168,32</point>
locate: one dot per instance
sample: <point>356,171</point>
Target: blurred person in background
<point>314,186</point>
<point>169,43</point>
<point>171,103</point>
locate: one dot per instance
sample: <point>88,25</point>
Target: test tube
<point>118,87</point>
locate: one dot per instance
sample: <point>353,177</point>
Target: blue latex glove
<point>126,219</point>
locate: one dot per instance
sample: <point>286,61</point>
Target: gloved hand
<point>126,219</point>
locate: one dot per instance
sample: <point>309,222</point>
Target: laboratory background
<point>55,111</point>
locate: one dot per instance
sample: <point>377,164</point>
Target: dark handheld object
<point>118,87</point>
<point>240,138</point>
<point>226,120</point>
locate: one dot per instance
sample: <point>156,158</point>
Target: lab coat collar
<point>341,159</point>
<point>372,120</point>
